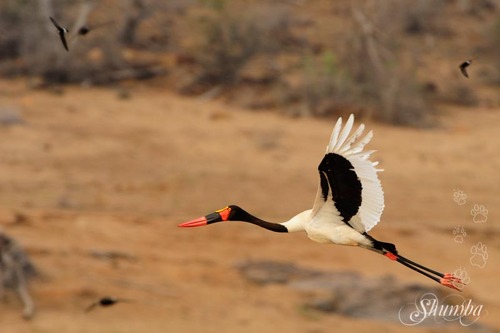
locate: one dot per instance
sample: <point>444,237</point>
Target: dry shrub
<point>364,71</point>
<point>329,88</point>
<point>229,36</point>
<point>34,42</point>
<point>421,17</point>
<point>378,76</point>
<point>460,93</point>
<point>493,47</point>
<point>321,90</point>
<point>11,12</point>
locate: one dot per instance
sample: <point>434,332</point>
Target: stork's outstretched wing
<point>348,179</point>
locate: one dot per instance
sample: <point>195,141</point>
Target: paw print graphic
<point>459,233</point>
<point>462,274</point>
<point>459,197</point>
<point>479,255</point>
<point>479,214</point>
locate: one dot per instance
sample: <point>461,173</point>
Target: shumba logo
<point>452,308</point>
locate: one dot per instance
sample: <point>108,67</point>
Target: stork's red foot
<point>452,277</point>
<point>451,281</point>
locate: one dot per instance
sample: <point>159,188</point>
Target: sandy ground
<point>87,171</point>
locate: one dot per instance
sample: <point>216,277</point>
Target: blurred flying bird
<point>85,29</point>
<point>349,202</point>
<point>62,32</point>
<point>106,301</point>
<point>463,67</point>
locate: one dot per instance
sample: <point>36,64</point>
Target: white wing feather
<point>345,132</point>
<point>372,195</point>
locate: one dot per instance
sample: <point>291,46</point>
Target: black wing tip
<point>64,43</point>
<point>54,22</point>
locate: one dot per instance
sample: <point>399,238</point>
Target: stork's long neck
<point>247,217</point>
<point>294,224</point>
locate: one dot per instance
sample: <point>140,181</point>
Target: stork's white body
<point>326,227</point>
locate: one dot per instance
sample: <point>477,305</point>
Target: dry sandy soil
<point>87,171</point>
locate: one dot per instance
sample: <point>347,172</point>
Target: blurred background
<point>164,111</point>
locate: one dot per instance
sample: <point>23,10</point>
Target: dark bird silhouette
<point>106,301</point>
<point>62,33</point>
<point>463,67</point>
<point>85,29</point>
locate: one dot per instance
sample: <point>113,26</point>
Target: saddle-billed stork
<point>349,203</point>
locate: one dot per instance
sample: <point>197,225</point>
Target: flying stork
<point>349,203</point>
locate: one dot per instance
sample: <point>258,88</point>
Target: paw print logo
<point>464,277</point>
<point>459,197</point>
<point>459,233</point>
<point>479,255</point>
<point>479,214</point>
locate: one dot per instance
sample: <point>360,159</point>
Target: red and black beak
<point>217,216</point>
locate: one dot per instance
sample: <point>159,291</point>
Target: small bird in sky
<point>62,32</point>
<point>106,301</point>
<point>85,29</point>
<point>463,67</point>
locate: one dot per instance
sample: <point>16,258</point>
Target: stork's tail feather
<point>382,247</point>
<point>386,247</point>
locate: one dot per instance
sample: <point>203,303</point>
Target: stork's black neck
<point>239,214</point>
